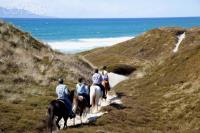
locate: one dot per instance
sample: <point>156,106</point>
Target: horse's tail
<point>50,118</point>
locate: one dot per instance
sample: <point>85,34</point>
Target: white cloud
<point>107,8</point>
<point>31,5</point>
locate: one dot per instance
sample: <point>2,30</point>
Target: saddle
<point>61,100</point>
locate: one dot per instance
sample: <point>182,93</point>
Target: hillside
<point>162,94</point>
<point>28,75</point>
<point>151,47</point>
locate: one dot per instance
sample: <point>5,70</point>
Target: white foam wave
<point>74,46</point>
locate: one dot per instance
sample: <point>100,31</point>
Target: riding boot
<point>72,115</point>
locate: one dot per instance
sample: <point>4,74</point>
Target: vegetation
<point>28,76</point>
<point>162,95</point>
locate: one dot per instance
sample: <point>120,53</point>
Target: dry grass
<point>28,75</point>
<point>165,99</point>
<point>161,96</point>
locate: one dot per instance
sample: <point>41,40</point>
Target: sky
<point>107,8</point>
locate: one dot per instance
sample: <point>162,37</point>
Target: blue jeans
<point>68,104</point>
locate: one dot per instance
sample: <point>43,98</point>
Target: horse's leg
<point>74,121</point>
<point>97,107</point>
<point>93,100</point>
<point>65,123</point>
<point>106,89</point>
<point>50,119</point>
<point>85,112</point>
<point>92,97</point>
<point>81,119</point>
<point>99,100</point>
<point>57,122</point>
<point>81,114</point>
<point>96,104</point>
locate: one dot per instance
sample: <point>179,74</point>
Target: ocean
<point>76,35</point>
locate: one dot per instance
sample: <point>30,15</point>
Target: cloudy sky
<point>107,8</point>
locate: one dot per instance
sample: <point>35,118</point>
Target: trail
<point>180,39</point>
<point>87,61</point>
<point>111,98</point>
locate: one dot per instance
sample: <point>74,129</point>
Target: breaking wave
<point>79,45</point>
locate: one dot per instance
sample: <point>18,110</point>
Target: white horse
<point>95,96</point>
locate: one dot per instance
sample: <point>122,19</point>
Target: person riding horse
<point>97,80</point>
<point>104,73</point>
<point>63,95</point>
<point>105,78</point>
<point>82,90</point>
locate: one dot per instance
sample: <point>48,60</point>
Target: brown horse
<point>106,86</point>
<point>58,108</point>
<point>79,105</point>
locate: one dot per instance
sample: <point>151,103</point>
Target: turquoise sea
<point>75,35</point>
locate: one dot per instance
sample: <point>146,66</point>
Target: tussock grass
<point>29,71</point>
<point>161,95</point>
<point>166,98</point>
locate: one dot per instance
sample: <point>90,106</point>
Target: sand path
<point>180,39</point>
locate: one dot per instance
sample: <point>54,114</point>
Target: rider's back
<point>105,75</point>
<point>61,91</point>
<point>81,88</point>
<point>96,78</point>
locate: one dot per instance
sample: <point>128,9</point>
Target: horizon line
<point>97,17</point>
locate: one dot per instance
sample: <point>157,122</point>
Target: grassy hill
<point>28,76</point>
<point>162,94</point>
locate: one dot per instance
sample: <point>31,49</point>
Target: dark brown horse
<point>58,108</point>
<point>80,105</point>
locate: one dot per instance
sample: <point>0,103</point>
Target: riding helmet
<point>60,81</point>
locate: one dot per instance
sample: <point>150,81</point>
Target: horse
<point>58,108</point>
<point>106,85</point>
<point>95,95</point>
<point>79,105</point>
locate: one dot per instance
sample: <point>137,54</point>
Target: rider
<point>105,76</point>
<point>97,80</point>
<point>63,94</point>
<point>82,90</point>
